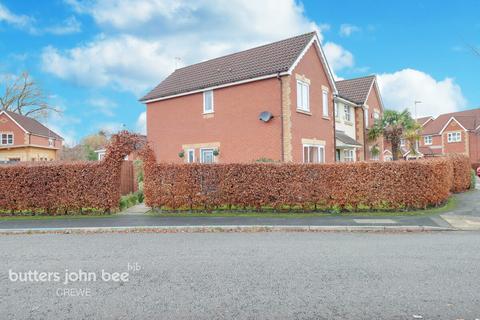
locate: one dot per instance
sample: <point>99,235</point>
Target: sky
<point>96,58</point>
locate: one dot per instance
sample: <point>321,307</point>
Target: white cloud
<point>346,30</point>
<point>68,26</point>
<point>19,21</point>
<point>126,62</point>
<point>103,105</point>
<point>338,57</point>
<point>400,89</point>
<point>142,38</point>
<point>142,123</point>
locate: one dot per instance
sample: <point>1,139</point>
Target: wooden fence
<point>128,181</point>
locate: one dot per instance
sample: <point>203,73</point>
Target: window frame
<point>457,134</point>
<point>325,103</point>
<point>9,138</point>
<point>190,151</point>
<point>202,150</point>
<point>367,115</point>
<point>335,107</point>
<point>301,85</point>
<point>205,93</point>
<point>347,111</point>
<point>350,157</point>
<point>321,159</point>
<point>402,142</point>
<point>430,140</point>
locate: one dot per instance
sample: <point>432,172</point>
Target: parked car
<point>478,172</point>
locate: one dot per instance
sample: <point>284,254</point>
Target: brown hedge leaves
<point>65,187</point>
<point>362,185</point>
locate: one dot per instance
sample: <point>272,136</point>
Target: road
<point>244,276</point>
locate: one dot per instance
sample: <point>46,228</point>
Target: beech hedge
<point>352,186</point>
<point>66,187</point>
<point>461,173</point>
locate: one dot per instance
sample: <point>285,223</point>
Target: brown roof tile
<point>355,90</point>
<point>469,119</point>
<point>32,126</point>
<point>423,120</point>
<point>257,62</point>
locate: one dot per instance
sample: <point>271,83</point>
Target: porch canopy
<point>346,142</point>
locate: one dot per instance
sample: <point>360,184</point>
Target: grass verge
<point>448,206</point>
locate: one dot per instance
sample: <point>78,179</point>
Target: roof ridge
<point>242,51</point>
<point>363,77</point>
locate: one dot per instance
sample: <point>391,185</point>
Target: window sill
<point>348,123</point>
<point>208,115</point>
<point>308,113</point>
<point>326,117</point>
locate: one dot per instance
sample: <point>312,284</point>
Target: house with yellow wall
<point>25,139</point>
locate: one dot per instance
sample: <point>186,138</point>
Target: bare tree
<point>24,96</point>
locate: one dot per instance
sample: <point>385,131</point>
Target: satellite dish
<point>265,116</point>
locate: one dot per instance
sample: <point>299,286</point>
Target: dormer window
<point>208,101</point>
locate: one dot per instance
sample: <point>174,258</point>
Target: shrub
<point>66,187</point>
<point>405,184</point>
<point>473,179</point>
<point>461,173</point>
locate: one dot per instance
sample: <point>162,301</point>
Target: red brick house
<point>25,139</point>
<point>271,102</point>
<point>357,106</point>
<point>456,132</point>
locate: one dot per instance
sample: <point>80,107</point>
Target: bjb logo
<point>134,267</point>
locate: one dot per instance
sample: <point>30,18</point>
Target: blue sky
<point>96,58</point>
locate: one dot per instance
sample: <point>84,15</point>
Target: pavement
<point>244,276</point>
<point>466,216</point>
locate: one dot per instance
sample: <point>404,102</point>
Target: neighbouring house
<point>132,156</point>
<point>269,103</point>
<point>25,139</point>
<point>457,132</point>
<point>357,106</point>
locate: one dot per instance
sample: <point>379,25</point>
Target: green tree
<point>393,126</point>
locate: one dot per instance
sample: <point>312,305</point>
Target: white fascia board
<point>448,122</point>
<point>316,41</point>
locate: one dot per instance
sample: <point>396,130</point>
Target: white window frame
<point>335,105</point>
<point>347,113</point>
<point>319,147</point>
<point>348,155</point>
<point>402,142</point>
<point>325,103</point>
<point>205,93</point>
<point>428,140</point>
<point>202,150</point>
<point>454,137</point>
<point>192,152</point>
<point>303,96</point>
<point>366,118</point>
<point>376,115</point>
<point>9,138</point>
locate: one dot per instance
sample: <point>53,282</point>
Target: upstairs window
<point>51,143</point>
<point>454,137</point>
<point>376,115</point>
<point>336,109</point>
<point>6,139</point>
<point>303,96</point>
<point>325,102</point>
<point>366,117</point>
<point>402,142</point>
<point>347,112</point>
<point>427,140</point>
<point>208,101</point>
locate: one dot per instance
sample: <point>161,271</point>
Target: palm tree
<point>393,126</point>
